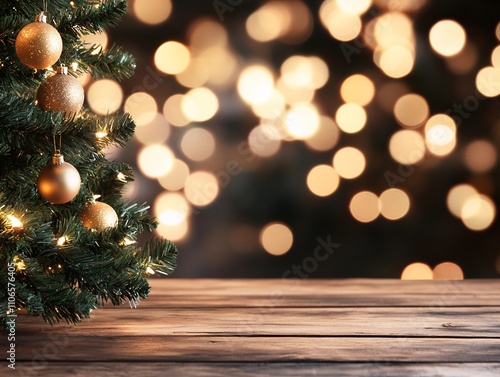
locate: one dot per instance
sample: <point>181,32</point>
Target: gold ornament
<point>59,182</point>
<point>61,92</point>
<point>38,44</point>
<point>99,216</point>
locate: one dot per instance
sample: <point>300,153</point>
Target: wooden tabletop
<point>288,327</point>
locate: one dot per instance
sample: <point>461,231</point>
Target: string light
<point>15,222</point>
<point>128,241</point>
<point>121,177</point>
<point>61,241</point>
<point>150,271</point>
<point>101,134</point>
<point>20,265</point>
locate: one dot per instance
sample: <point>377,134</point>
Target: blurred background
<point>315,139</point>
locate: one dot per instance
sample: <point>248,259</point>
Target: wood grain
<point>260,369</point>
<point>209,327</point>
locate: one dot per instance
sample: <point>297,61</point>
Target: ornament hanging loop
<point>41,17</point>
<point>57,151</point>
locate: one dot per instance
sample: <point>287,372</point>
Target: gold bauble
<point>99,216</point>
<point>59,182</point>
<point>38,44</point>
<point>61,92</point>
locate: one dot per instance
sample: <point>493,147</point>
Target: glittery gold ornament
<point>59,182</point>
<point>61,92</point>
<point>99,216</point>
<point>38,44</point>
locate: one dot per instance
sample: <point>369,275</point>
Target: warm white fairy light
<point>61,241</point>
<point>121,177</point>
<point>19,263</point>
<point>15,222</point>
<point>101,134</point>
<point>128,241</point>
<point>150,271</point>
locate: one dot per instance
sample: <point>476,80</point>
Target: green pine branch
<point>63,269</point>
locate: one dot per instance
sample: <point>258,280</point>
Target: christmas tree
<point>68,241</point>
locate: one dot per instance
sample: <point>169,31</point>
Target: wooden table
<point>278,327</point>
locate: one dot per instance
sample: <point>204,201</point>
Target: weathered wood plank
<point>76,347</point>
<point>261,370</point>
<point>308,287</point>
<point>175,293</point>
<point>318,300</point>
<point>413,322</point>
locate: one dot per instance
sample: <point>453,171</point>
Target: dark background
<point>223,238</point>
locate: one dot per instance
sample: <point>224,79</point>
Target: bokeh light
<point>263,142</point>
<point>354,6</point>
<point>172,109</point>
<point>447,271</point>
<point>440,134</point>
<point>364,206</point>
<point>341,25</point>
<point>407,147</point>
<point>295,95</point>
<point>200,104</point>
<point>478,212</point>
<point>289,21</point>
<point>155,132</point>
<point>152,12</point>
<point>394,204</point>
<point>174,233</point>
<point>458,196</point>
<point>351,118</point>
<point>495,57</point>
<point>349,162</point>
<point>396,61</point>
<point>326,137</point>
<point>198,144</point>
<point>142,107</point>
<point>411,110</point>
<point>171,208</point>
<point>155,160</point>
<point>302,121</point>
<point>175,179</point>
<point>201,188</point>
<point>480,156</point>
<point>256,84</point>
<point>196,74</point>
<point>487,80</point>
<point>276,238</point>
<point>206,33</point>
<point>272,108</point>
<point>323,180</point>
<point>302,71</point>
<point>447,37</point>
<point>172,57</point>
<point>357,89</point>
<point>104,96</point>
<point>417,271</point>
<point>393,29</point>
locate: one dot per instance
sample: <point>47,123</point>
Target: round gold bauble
<point>39,45</point>
<point>99,216</point>
<point>59,182</point>
<point>61,92</point>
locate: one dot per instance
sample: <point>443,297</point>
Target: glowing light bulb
<point>15,222</point>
